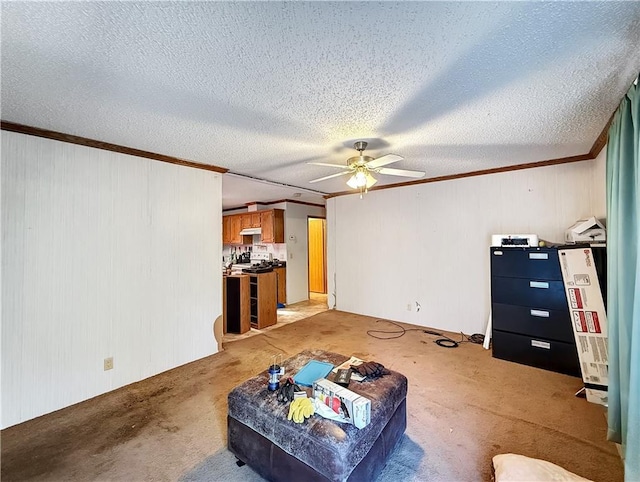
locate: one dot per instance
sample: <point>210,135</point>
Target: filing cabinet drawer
<point>545,323</point>
<point>533,293</point>
<point>551,355</point>
<point>540,263</point>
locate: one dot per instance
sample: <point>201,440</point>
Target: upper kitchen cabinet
<point>272,224</point>
<point>236,226</point>
<point>256,219</point>
<point>245,220</point>
<point>226,229</point>
<point>251,220</point>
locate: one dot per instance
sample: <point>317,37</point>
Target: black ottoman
<point>260,435</point>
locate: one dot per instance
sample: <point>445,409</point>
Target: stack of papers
<point>351,361</point>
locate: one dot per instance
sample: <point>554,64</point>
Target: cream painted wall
<point>296,237</point>
<point>429,243</point>
<point>103,255</point>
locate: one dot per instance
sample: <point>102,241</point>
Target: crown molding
<point>515,167</point>
<point>106,146</point>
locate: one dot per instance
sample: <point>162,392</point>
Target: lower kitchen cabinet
<point>281,281</point>
<point>262,298</point>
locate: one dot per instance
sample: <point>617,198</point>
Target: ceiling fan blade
<point>332,175</point>
<point>400,172</point>
<point>383,161</point>
<point>341,166</point>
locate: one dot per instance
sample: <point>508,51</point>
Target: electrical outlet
<point>108,363</point>
<point>418,306</point>
<point>408,306</point>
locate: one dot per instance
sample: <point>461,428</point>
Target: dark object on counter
<point>244,258</point>
<point>258,269</point>
<point>371,370</point>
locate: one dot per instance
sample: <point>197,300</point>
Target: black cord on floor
<point>393,333</point>
<point>444,341</point>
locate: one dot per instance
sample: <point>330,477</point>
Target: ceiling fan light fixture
<point>370,180</point>
<point>360,168</point>
<point>361,180</point>
<point>358,180</point>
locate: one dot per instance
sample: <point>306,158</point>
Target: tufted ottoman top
<point>331,448</point>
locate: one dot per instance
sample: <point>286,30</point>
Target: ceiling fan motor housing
<point>356,161</point>
<point>360,146</point>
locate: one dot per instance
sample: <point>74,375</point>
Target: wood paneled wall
<point>103,255</point>
<point>428,244</point>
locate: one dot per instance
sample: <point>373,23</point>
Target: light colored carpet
<point>463,407</point>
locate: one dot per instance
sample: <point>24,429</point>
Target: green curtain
<point>623,280</point>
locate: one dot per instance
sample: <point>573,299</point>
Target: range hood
<point>250,231</point>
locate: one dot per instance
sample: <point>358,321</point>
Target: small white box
<point>342,400</point>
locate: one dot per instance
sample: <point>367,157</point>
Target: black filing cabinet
<point>530,316</point>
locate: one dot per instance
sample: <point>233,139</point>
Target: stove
<point>258,269</point>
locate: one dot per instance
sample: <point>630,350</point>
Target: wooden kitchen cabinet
<point>251,220</point>
<point>281,283</point>
<point>236,227</point>
<point>226,229</point>
<point>262,297</point>
<point>245,221</point>
<point>272,224</point>
<point>233,225</point>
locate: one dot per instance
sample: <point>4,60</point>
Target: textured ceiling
<point>263,88</point>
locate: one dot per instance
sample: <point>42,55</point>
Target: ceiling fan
<point>361,168</point>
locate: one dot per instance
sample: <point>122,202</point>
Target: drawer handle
<point>541,344</point>
<point>538,255</point>
<point>540,313</point>
<point>538,284</point>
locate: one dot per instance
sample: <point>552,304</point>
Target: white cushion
<point>518,468</point>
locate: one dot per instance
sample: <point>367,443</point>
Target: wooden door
<point>317,262</point>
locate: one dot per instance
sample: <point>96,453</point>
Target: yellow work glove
<point>300,409</point>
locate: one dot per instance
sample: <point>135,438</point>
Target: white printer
<point>586,231</point>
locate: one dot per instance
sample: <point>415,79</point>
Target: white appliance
<point>250,231</point>
<point>260,253</point>
<point>514,240</point>
<point>586,231</point>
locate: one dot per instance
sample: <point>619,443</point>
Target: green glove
<point>300,409</point>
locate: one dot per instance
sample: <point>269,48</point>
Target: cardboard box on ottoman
<point>354,407</point>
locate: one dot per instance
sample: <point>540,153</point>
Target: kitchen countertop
<point>238,267</point>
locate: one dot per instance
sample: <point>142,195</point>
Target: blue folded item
<point>312,371</point>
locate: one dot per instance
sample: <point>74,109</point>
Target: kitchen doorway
<point>317,236</point>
